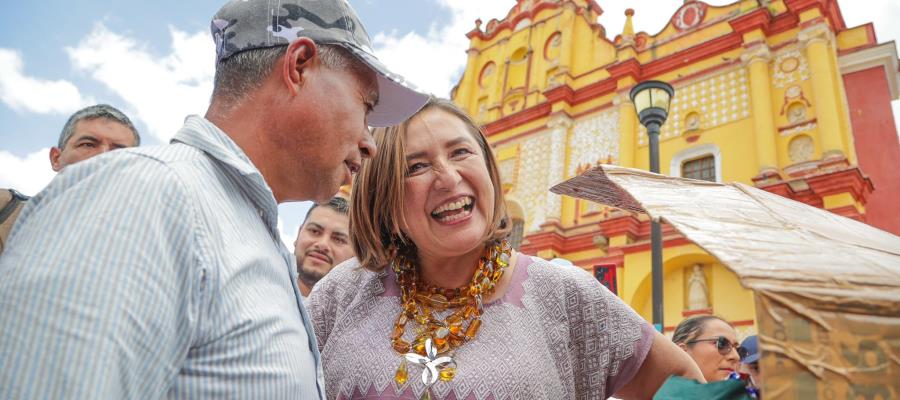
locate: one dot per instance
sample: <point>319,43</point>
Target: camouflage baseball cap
<point>253,24</point>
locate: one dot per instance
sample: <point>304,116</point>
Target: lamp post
<point>651,101</point>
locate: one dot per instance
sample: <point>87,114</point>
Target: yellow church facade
<point>778,94</point>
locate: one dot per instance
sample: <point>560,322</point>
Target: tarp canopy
<point>827,287</point>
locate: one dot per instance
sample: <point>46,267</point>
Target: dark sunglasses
<point>724,346</point>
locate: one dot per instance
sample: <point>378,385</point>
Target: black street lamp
<point>651,101</point>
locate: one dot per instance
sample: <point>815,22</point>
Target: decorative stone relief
<point>796,113</point>
<point>720,99</point>
<point>689,16</point>
<point>797,129</point>
<point>801,149</point>
<point>692,122</point>
<point>789,67</point>
<point>531,188</point>
<point>508,169</point>
<point>594,139</point>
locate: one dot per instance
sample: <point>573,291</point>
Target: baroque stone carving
<point>720,99</point>
<point>594,139</point>
<point>789,67</point>
<point>801,149</point>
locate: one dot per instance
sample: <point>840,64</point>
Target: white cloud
<point>27,175</point>
<point>435,61</point>
<point>160,91</point>
<point>23,93</point>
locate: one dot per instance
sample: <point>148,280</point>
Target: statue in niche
<point>796,113</point>
<point>698,299</point>
<point>692,122</point>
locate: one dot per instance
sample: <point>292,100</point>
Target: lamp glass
<point>642,100</point>
<point>659,98</point>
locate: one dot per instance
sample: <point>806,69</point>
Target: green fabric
<point>677,388</point>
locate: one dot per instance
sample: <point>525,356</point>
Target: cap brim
<point>751,359</point>
<point>397,98</point>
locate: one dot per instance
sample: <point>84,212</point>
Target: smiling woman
<point>444,308</point>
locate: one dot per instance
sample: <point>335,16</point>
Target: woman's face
<point>449,200</point>
<point>712,363</point>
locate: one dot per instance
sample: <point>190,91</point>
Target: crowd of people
<point>159,271</point>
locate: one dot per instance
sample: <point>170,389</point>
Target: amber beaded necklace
<point>435,337</point>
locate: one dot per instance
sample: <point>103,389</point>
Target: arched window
<point>517,217</point>
<point>700,162</point>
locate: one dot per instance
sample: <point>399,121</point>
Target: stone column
<point>756,58</point>
<point>470,81</point>
<point>816,40</point>
<point>627,129</point>
<point>560,125</point>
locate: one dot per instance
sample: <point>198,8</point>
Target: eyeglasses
<point>724,345</point>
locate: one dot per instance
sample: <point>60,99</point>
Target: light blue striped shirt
<point>155,272</point>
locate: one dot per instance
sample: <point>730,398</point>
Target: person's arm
<point>663,360</point>
<point>100,285</point>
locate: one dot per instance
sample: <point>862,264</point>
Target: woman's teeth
<point>453,211</point>
<point>465,201</point>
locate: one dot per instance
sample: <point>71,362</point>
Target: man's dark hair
<point>245,72</point>
<point>338,204</point>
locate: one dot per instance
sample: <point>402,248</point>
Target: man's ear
<point>298,58</point>
<point>683,346</point>
<point>54,159</point>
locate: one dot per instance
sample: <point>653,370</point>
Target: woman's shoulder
<point>566,276</point>
<point>345,282</point>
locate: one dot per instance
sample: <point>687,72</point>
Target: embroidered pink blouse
<point>556,333</point>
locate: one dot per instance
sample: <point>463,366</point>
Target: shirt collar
<point>202,134</point>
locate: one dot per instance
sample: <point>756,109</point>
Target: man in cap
<point>167,276</point>
<point>750,361</point>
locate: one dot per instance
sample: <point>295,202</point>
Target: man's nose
<point>321,245</point>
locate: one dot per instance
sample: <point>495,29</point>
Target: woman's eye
<point>461,152</point>
<point>415,167</point>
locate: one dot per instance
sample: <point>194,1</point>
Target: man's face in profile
<point>92,137</point>
<point>322,243</point>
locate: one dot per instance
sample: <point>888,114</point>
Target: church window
<point>701,168</point>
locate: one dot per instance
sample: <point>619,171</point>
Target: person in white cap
<point>159,272</point>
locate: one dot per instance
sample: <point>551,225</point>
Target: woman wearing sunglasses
<point>712,343</point>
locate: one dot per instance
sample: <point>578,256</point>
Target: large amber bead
<point>419,347</point>
<point>401,376</point>
<point>400,345</point>
<point>447,374</point>
<point>398,331</point>
<point>440,336</point>
<point>473,328</point>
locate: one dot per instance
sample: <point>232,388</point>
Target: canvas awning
<point>827,287</point>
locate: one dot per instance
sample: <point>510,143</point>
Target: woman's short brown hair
<point>376,201</point>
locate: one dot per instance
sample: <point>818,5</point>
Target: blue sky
<point>154,60</point>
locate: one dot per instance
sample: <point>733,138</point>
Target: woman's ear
<point>683,347</point>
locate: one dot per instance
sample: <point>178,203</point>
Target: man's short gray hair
<point>93,112</point>
<point>245,72</point>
